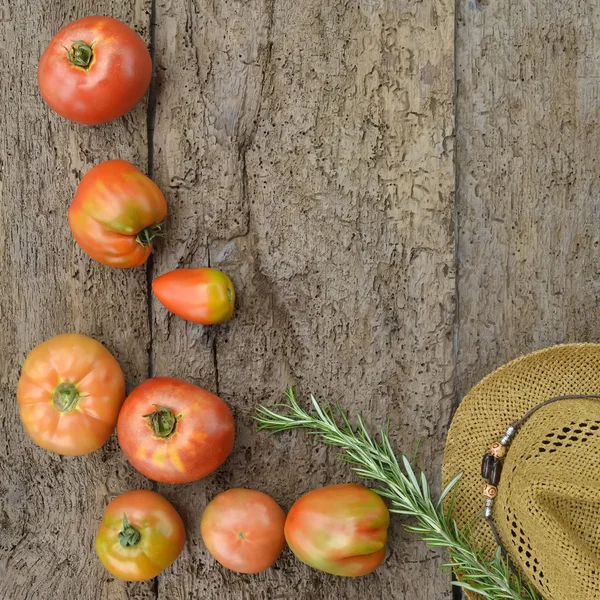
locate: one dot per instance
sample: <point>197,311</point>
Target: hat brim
<point>493,404</point>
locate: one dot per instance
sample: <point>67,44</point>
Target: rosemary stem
<point>372,458</point>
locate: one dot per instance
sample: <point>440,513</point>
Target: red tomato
<point>243,530</point>
<point>173,431</point>
<point>70,392</point>
<point>340,529</point>
<point>94,70</point>
<point>203,296</point>
<point>141,534</point>
<point>116,213</point>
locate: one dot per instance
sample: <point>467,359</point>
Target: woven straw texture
<point>548,506</point>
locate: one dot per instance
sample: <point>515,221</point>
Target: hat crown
<point>547,511</point>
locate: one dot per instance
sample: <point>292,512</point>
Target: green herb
<point>373,458</point>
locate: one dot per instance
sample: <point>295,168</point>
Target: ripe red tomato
<point>94,70</point>
<point>203,296</point>
<point>339,529</point>
<point>243,530</point>
<point>116,213</point>
<point>141,534</point>
<point>173,431</point>
<point>70,392</point>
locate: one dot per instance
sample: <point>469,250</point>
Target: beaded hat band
<point>491,466</point>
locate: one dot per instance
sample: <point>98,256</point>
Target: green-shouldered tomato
<point>204,296</point>
<point>339,529</point>
<point>116,213</point>
<point>141,534</point>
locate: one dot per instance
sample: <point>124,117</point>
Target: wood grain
<point>50,506</point>
<point>306,149</point>
<point>529,179</point>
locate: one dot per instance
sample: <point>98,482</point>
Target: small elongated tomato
<point>70,392</point>
<point>339,529</point>
<point>243,530</point>
<point>94,70</point>
<point>116,213</point>
<point>173,431</point>
<point>141,534</point>
<point>204,296</point>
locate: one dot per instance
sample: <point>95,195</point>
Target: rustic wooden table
<point>405,194</point>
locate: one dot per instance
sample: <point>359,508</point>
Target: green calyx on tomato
<point>146,235</point>
<point>65,397</point>
<point>80,54</point>
<point>129,535</point>
<point>163,421</point>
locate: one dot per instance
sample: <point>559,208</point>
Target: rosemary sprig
<point>373,458</point>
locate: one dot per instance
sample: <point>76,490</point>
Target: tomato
<point>243,530</point>
<point>173,431</point>
<point>116,213</point>
<point>70,392</point>
<point>141,534</point>
<point>339,529</point>
<point>94,70</point>
<point>204,296</point>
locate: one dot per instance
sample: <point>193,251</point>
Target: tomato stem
<point>163,421</point>
<point>80,54</point>
<point>129,536</point>
<point>65,397</point>
<point>146,235</point>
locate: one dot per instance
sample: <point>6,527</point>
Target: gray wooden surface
<point>307,148</point>
<point>528,201</point>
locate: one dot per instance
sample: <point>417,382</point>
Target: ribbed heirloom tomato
<point>116,213</point>
<point>94,70</point>
<point>70,392</point>
<point>141,534</point>
<point>204,296</point>
<point>243,530</point>
<point>173,431</point>
<point>339,529</point>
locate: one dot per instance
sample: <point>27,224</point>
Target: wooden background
<point>405,194</point>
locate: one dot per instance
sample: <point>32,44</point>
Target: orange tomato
<point>173,431</point>
<point>204,296</point>
<point>70,392</point>
<point>243,530</point>
<point>94,70</point>
<point>141,534</point>
<point>339,529</point>
<point>116,213</point>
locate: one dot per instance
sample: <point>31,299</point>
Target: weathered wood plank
<point>306,149</point>
<point>529,179</point>
<point>50,507</point>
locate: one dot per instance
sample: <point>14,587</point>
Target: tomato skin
<point>96,376</point>
<point>243,530</point>
<point>161,541</point>
<point>204,296</point>
<point>202,438</point>
<point>113,83</point>
<point>339,529</point>
<point>114,203</point>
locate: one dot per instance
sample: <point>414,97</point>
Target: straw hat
<point>547,508</point>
